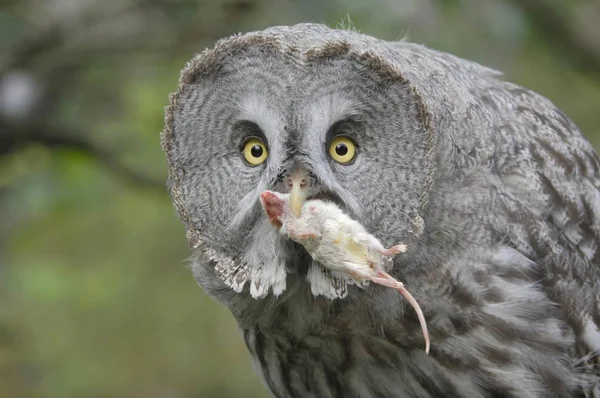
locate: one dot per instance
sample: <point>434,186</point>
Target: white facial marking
<point>255,109</point>
<point>591,335</point>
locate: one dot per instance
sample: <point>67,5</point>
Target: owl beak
<point>298,185</point>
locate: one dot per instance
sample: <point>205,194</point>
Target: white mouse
<point>337,242</point>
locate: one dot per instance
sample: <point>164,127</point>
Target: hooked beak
<point>298,184</point>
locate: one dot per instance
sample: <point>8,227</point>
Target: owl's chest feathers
<point>330,362</point>
<point>488,328</point>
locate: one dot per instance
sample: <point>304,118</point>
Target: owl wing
<point>527,165</point>
<point>549,177</point>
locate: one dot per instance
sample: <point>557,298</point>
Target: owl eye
<point>342,149</point>
<point>255,151</point>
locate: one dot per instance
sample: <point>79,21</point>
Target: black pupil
<point>256,151</point>
<point>341,149</point>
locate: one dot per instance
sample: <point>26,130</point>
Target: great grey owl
<point>493,189</point>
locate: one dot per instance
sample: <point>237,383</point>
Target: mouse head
<point>276,206</point>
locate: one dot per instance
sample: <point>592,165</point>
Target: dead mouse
<point>337,242</point>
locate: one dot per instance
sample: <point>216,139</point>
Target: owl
<point>494,191</point>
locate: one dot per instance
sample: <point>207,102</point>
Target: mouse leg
<point>376,245</point>
<point>392,251</point>
<point>305,234</point>
<point>309,235</point>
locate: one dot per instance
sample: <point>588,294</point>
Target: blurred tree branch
<point>62,47</point>
<point>565,35</point>
<point>15,136</point>
<point>30,47</point>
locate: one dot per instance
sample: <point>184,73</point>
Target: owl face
<point>259,112</point>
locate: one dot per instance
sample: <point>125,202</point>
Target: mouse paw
<point>392,251</point>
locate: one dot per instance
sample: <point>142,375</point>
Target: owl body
<point>494,190</point>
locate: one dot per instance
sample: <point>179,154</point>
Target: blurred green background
<point>95,296</point>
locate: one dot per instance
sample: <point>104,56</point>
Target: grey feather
<point>495,191</point>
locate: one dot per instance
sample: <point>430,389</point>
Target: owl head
<point>317,112</point>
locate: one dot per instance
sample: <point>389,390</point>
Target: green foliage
<point>106,304</point>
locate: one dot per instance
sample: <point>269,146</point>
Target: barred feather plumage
<point>495,191</point>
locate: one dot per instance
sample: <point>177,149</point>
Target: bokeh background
<point>95,296</point>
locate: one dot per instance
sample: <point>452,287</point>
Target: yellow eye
<point>255,151</point>
<point>342,149</point>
